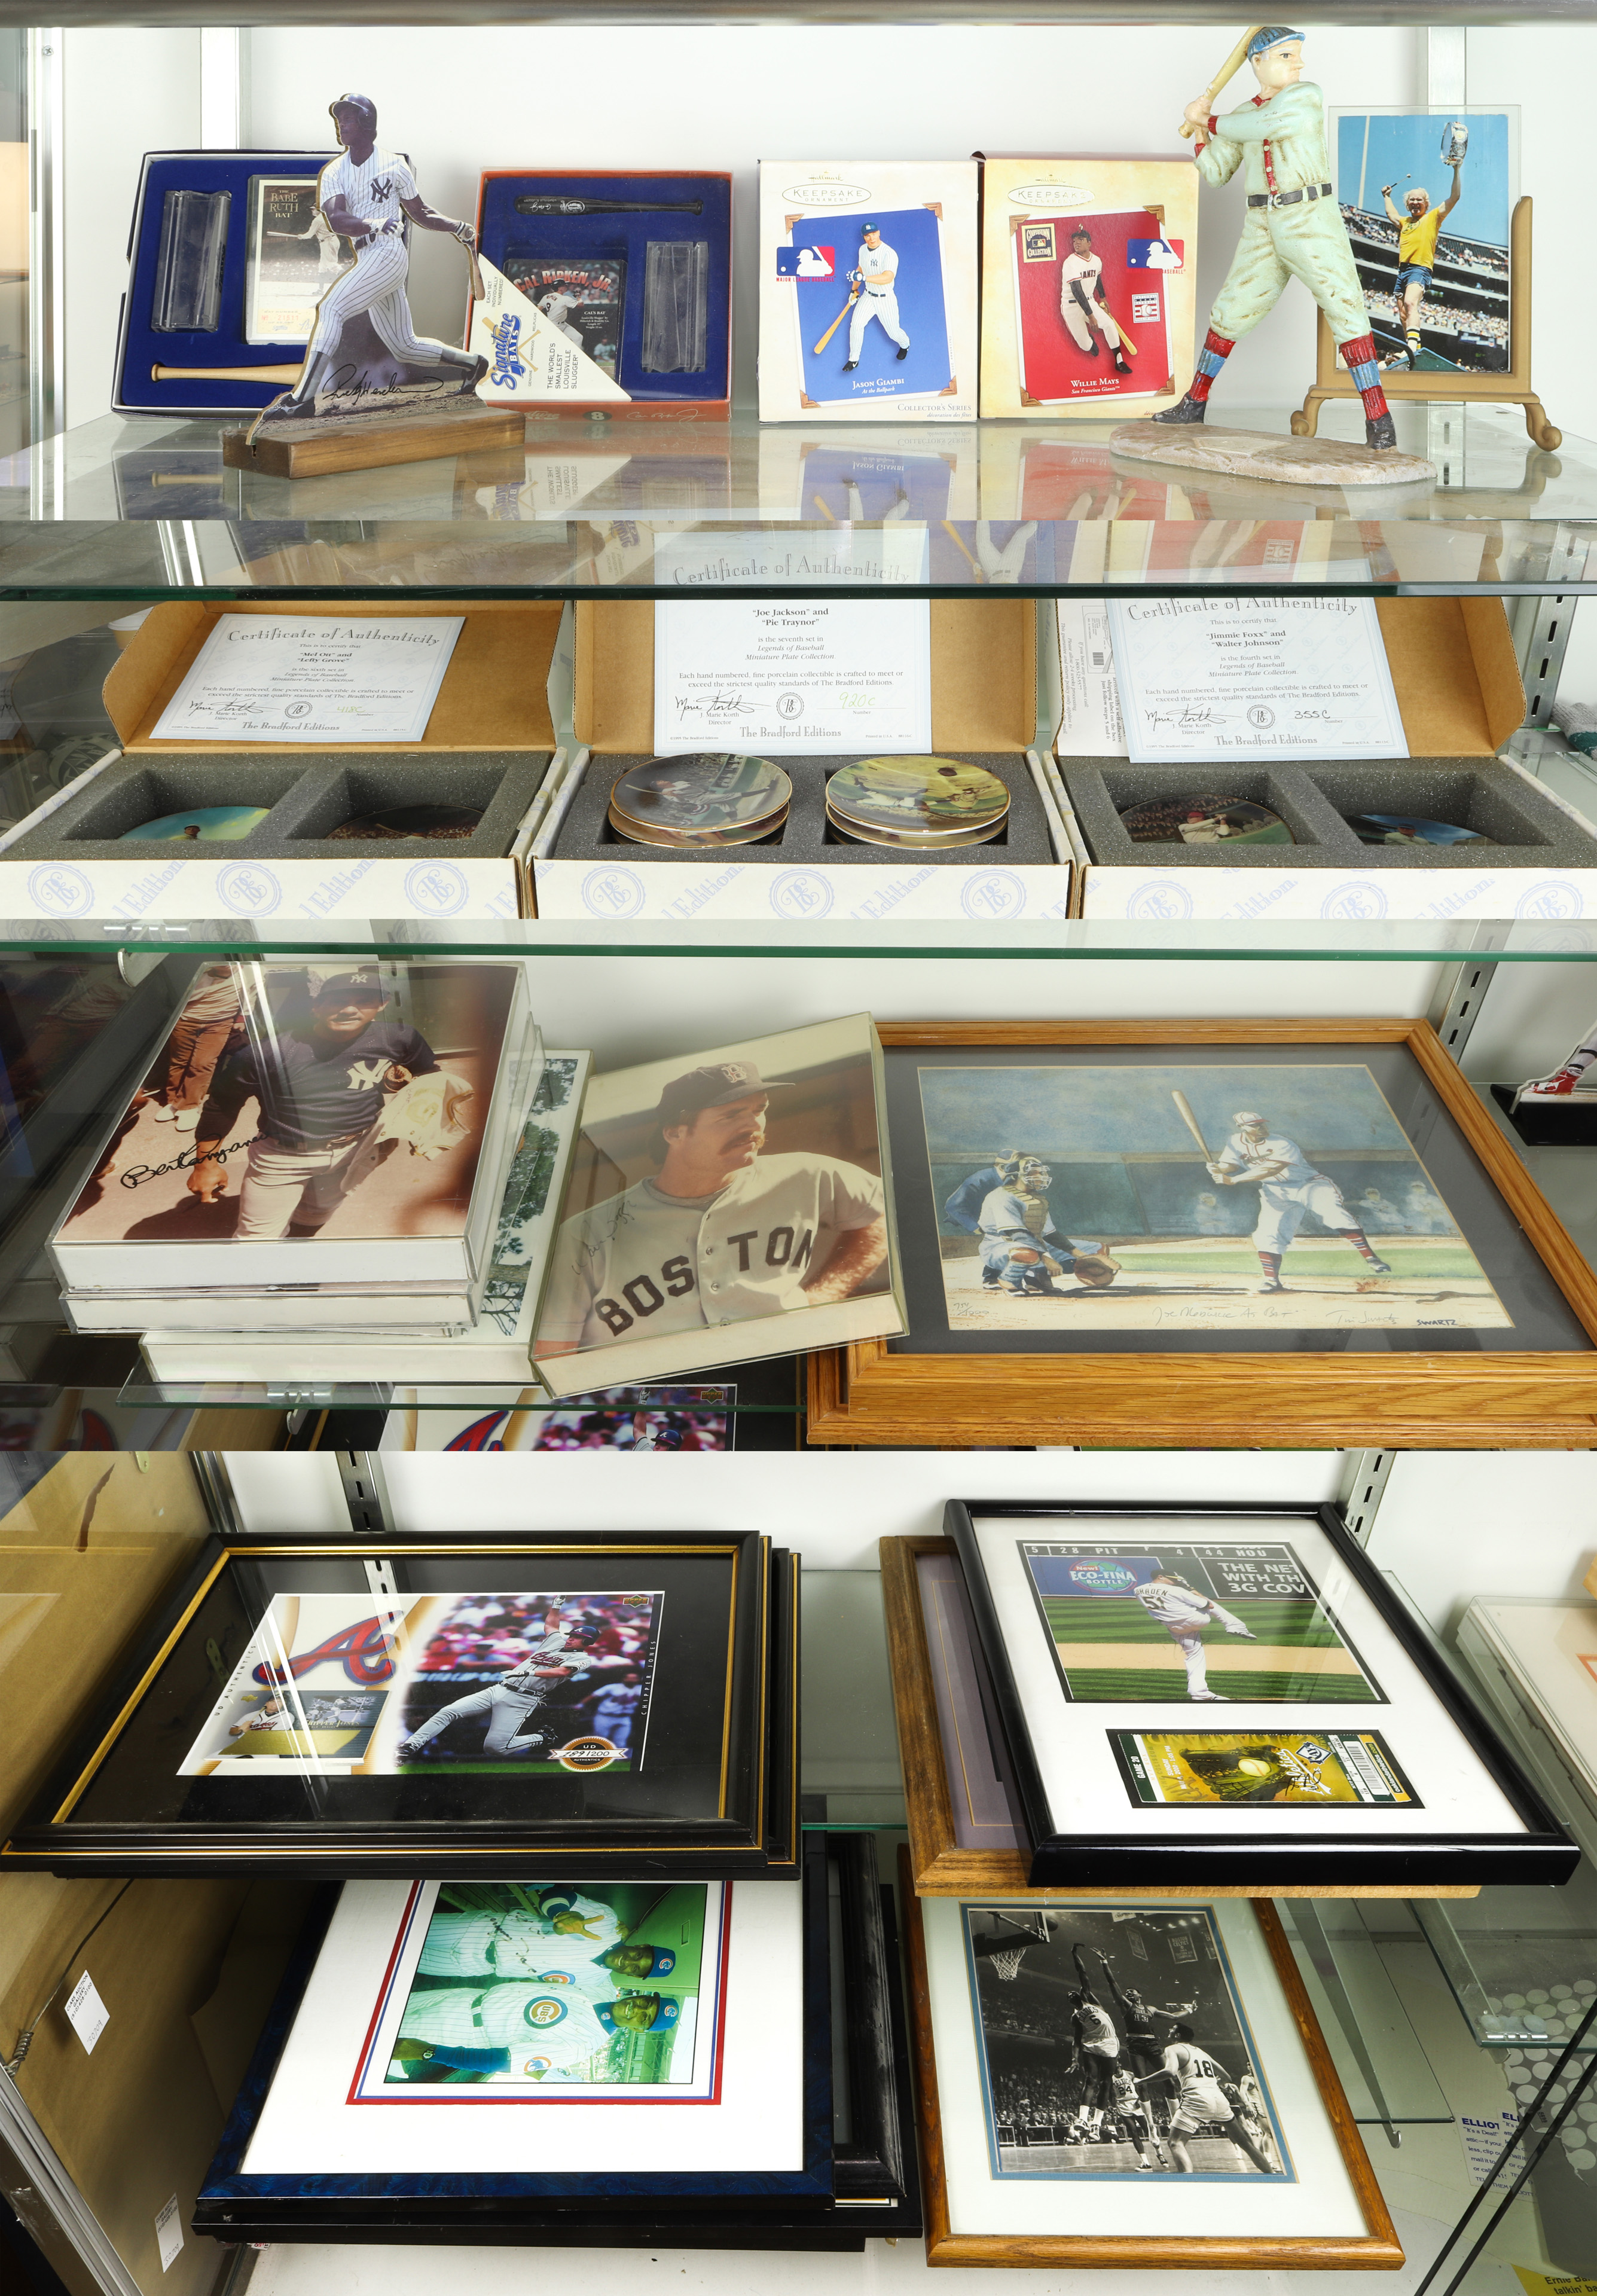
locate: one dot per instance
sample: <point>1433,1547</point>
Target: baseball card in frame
<point>520,1706</point>
<point>1316,1220</point>
<point>1090,305</point>
<point>1278,1780</point>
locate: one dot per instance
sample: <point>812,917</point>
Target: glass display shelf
<point>136,509</point>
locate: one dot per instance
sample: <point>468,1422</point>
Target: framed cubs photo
<point>479,1709</point>
<point>1217,1696</point>
<point>1179,1232</point>
<point>1132,2081</point>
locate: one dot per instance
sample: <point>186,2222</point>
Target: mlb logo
<point>1036,243</point>
<point>806,263</point>
<point>1155,254</point>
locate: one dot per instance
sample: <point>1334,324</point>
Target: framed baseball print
<point>1233,1695</point>
<point>1185,1232</point>
<point>513,1709</point>
<point>1073,2054</point>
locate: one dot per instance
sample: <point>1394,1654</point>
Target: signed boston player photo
<point>1143,1198</point>
<point>1113,2042</point>
<point>499,1992</point>
<point>716,1197</point>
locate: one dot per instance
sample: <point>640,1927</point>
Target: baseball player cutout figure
<point>875,297</point>
<point>364,196</point>
<point>510,1702</point>
<point>1021,1249</point>
<point>1566,1078</point>
<point>1289,1189</point>
<point>1081,301</point>
<point>1202,2102</point>
<point>1294,228</point>
<point>1174,1603</point>
<point>721,1231</point>
<point>1419,226</point>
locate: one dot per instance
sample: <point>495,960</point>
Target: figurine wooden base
<point>1266,455</point>
<point>320,443</point>
<point>1569,1123</point>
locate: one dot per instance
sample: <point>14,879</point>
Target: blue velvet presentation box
<point>630,211</point>
<point>195,282</point>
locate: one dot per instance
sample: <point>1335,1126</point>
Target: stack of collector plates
<point>710,800</point>
<point>924,802</point>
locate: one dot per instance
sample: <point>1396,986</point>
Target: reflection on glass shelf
<point>1358,1982</point>
<point>1522,1964</point>
<point>850,1752</point>
<point>140,508</point>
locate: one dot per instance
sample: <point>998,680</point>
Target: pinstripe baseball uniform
<point>375,280</point>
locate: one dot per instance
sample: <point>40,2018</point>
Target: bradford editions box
<point>488,747</point>
<point>867,291</point>
<point>1088,292</point>
<point>983,706</point>
<point>607,291</point>
<point>1458,689</point>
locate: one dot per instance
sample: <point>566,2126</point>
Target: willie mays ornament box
<point>979,715</point>
<point>607,292</point>
<point>1276,813</point>
<point>271,808</point>
<point>1088,295</point>
<point>867,291</point>
<point>536,1710</point>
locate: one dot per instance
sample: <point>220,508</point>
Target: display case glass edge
<point>1330,1866</point>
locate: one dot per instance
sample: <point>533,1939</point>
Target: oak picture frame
<point>884,1392</point>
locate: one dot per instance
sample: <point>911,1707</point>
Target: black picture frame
<point>1257,1862</point>
<point>848,2193</point>
<point>115,1803</point>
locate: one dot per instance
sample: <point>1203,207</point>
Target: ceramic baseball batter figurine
<point>364,196</point>
<point>1294,228</point>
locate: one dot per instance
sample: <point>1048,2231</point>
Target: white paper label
<point>86,2014</point>
<point>834,678</point>
<point>169,2234</point>
<point>1484,2137</point>
<point>530,354</point>
<point>1253,681</point>
<point>259,679</point>
<point>1090,725</point>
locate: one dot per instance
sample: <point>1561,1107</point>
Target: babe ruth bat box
<point>1088,301</point>
<point>734,1205</point>
<point>606,289</point>
<point>227,254</point>
<point>1348,1758</point>
<point>867,291</point>
<point>553,1696</point>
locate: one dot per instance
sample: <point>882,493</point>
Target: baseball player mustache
<point>543,204</point>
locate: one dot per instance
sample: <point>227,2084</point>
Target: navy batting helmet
<point>361,104</point>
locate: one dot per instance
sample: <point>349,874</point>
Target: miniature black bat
<point>538,203</point>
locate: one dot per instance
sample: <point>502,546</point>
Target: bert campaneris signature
<point>135,1176</point>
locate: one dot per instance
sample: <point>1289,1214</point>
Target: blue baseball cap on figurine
<point>1270,36</point>
<point>865,228</point>
<point>665,2014</point>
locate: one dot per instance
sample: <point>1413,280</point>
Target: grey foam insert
<point>807,835</point>
<point>306,795</point>
<point>1519,827</point>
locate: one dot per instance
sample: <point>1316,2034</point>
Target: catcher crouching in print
<point>1006,1207</point>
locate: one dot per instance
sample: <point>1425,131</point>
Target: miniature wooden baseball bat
<point>836,324</point>
<point>1227,72</point>
<point>275,374</point>
<point>536,204</point>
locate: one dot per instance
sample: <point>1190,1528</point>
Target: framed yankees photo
<point>1188,1232</point>
<point>529,1707</point>
<point>1075,2054</point>
<point>1234,1695</point>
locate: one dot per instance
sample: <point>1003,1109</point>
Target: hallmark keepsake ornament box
<point>867,291</point>
<point>1088,283</point>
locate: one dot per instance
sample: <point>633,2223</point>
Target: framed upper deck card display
<point>1211,1232</point>
<point>509,1709</point>
<point>1346,1751</point>
<point>1073,2053</point>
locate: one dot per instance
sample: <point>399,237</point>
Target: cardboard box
<point>1054,308</point>
<point>810,213</point>
<point>983,705</point>
<point>490,737</point>
<point>1459,691</point>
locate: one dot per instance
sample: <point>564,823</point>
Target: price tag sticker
<point>169,2234</point>
<point>86,2014</point>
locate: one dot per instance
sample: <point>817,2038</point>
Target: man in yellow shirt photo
<point>1419,226</point>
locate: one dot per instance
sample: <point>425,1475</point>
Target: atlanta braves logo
<point>506,338</point>
<point>366,1652</point>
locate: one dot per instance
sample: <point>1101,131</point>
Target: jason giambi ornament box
<point>867,291</point>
